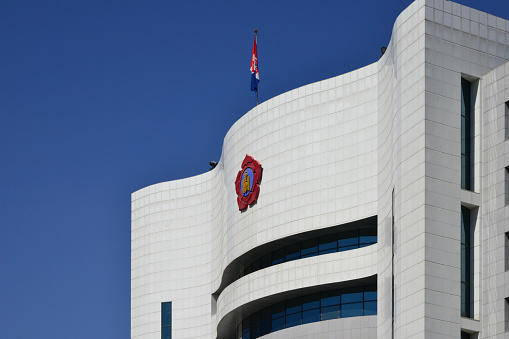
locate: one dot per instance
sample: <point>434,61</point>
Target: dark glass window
<point>330,312</point>
<point>466,285</point>
<point>311,316</point>
<point>328,244</point>
<point>367,237</point>
<point>309,248</point>
<point>255,266</point>
<point>293,252</point>
<point>255,325</point>
<point>330,298</point>
<point>166,320</point>
<point>466,141</point>
<point>311,301</point>
<point>246,328</point>
<point>370,308</point>
<point>347,302</point>
<point>278,310</point>
<point>364,234</point>
<point>351,295</point>
<point>293,306</point>
<point>352,310</point>
<point>348,240</point>
<point>278,256</point>
<point>265,321</point>
<point>465,335</point>
<point>265,261</point>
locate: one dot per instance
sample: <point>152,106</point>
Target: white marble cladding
<point>495,282</point>
<point>333,152</point>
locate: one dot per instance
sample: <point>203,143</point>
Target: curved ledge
<point>283,281</point>
<point>231,272</point>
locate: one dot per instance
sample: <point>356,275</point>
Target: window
<point>506,314</point>
<point>334,304</point>
<point>506,185</point>
<point>506,239</point>
<point>466,139</point>
<point>506,120</point>
<point>360,234</point>
<point>465,335</point>
<point>166,320</point>
<point>466,262</point>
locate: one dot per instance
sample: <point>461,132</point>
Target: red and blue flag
<point>255,76</point>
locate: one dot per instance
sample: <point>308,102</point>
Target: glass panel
<point>350,295</point>
<point>348,239</point>
<point>311,316</point>
<point>255,266</point>
<point>293,319</point>
<point>278,324</point>
<point>368,236</point>
<point>309,248</point>
<point>255,330</point>
<point>370,293</point>
<point>328,244</point>
<point>166,332</point>
<point>265,321</point>
<point>351,310</point>
<point>293,306</point>
<point>330,312</point>
<point>278,310</point>
<point>278,256</point>
<point>265,261</point>
<point>246,327</point>
<point>293,252</point>
<point>255,320</point>
<point>330,298</point>
<point>166,314</point>
<point>370,308</point>
<point>311,301</point>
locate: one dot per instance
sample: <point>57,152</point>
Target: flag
<point>255,76</point>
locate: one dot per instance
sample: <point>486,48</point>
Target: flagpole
<point>256,39</point>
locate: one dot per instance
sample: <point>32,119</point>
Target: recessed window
<point>466,138</point>
<point>364,235</point>
<point>506,120</point>
<point>506,186</point>
<point>326,305</point>
<point>166,320</point>
<point>506,245</point>
<point>466,263</point>
<point>506,314</point>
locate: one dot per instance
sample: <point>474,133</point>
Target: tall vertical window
<point>466,138</point>
<point>506,185</point>
<point>506,120</point>
<point>506,314</point>
<point>506,245</point>
<point>466,261</point>
<point>166,320</point>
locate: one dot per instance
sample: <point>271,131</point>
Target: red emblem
<point>247,184</point>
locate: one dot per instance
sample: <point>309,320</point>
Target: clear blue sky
<point>102,98</point>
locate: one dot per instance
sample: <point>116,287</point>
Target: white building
<point>410,152</point>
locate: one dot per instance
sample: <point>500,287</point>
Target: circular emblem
<point>247,183</point>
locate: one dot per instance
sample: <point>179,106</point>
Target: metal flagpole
<point>256,39</point>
